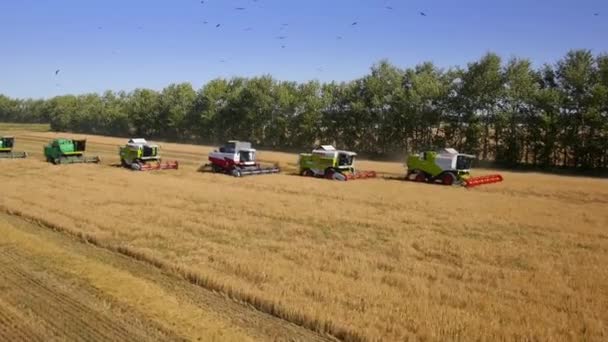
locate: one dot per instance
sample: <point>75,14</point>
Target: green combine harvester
<point>68,151</point>
<point>447,167</point>
<point>6,149</point>
<point>139,155</point>
<point>327,162</point>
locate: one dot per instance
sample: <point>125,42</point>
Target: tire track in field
<point>13,326</point>
<point>62,313</point>
<point>242,317</point>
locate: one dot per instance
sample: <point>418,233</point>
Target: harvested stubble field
<point>364,260</point>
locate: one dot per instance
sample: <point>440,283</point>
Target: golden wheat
<point>370,260</point>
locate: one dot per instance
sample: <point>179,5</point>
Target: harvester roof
<point>233,146</point>
<point>331,149</point>
<point>62,141</point>
<point>453,152</point>
<point>139,142</point>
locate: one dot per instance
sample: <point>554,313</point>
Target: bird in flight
<point>339,37</point>
<point>423,14</point>
<point>57,72</point>
<point>388,7</point>
<point>282,37</point>
<point>218,25</point>
<point>596,14</point>
<point>239,8</point>
<point>354,23</point>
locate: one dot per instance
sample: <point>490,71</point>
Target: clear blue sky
<point>122,45</point>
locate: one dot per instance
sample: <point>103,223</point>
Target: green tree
<point>482,90</point>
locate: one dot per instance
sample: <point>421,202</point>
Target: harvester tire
<point>420,177</point>
<point>307,173</point>
<point>236,173</point>
<point>448,178</point>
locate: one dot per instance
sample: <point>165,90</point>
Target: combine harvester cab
<point>447,167</point>
<point>327,162</point>
<point>237,158</point>
<point>68,151</point>
<point>139,155</point>
<point>6,149</point>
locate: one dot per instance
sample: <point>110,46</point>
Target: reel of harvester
<point>447,167</point>
<point>6,149</point>
<point>139,155</point>
<point>238,159</point>
<point>154,165</point>
<point>68,151</point>
<point>327,162</point>
<point>481,180</point>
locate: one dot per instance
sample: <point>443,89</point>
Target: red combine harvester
<point>238,159</point>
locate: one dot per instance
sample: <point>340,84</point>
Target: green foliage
<point>509,112</point>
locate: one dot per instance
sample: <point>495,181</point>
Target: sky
<point>129,44</point>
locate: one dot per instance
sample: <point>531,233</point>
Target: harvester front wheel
<point>448,178</point>
<point>236,173</point>
<point>329,173</point>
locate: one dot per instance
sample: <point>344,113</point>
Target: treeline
<point>506,111</point>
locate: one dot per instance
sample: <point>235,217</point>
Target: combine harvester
<point>6,149</point>
<point>327,162</point>
<point>68,151</point>
<point>237,158</point>
<point>447,167</point>
<point>139,155</point>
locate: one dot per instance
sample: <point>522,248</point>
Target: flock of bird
<point>283,27</point>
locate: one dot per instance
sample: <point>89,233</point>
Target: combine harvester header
<point>327,162</point>
<point>6,149</point>
<point>139,155</point>
<point>68,151</point>
<point>238,158</point>
<point>446,167</point>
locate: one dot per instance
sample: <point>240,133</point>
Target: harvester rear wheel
<point>420,177</point>
<point>236,173</point>
<point>307,173</point>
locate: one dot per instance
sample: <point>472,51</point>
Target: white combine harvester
<point>237,158</point>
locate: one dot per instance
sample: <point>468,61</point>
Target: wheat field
<point>364,260</point>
